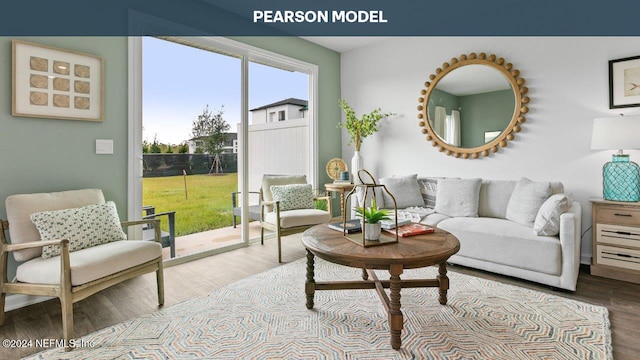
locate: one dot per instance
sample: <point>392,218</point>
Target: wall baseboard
<point>585,259</point>
<point>16,301</point>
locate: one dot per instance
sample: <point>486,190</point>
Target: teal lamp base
<point>621,179</point>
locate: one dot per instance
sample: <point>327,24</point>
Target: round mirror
<point>473,105</point>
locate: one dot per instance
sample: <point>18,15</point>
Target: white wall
<point>568,85</point>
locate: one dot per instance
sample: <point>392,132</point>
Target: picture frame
<point>54,83</point>
<point>624,82</point>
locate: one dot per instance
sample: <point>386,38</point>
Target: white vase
<point>372,231</point>
<point>356,164</point>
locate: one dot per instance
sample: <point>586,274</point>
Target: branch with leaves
<point>212,128</point>
<point>360,128</point>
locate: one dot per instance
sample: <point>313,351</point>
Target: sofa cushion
<point>405,189</point>
<point>84,227</point>
<point>20,206</point>
<point>428,190</point>
<point>293,196</point>
<point>434,219</point>
<point>548,218</point>
<point>505,242</point>
<point>527,198</point>
<point>494,198</point>
<point>300,217</point>
<point>90,264</point>
<point>556,187</point>
<point>458,197</point>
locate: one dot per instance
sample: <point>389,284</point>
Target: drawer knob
<point>625,215</point>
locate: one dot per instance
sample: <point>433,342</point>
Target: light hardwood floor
<point>138,296</point>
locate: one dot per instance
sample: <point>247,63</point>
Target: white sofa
<point>494,224</point>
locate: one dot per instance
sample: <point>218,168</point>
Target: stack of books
<point>391,223</point>
<point>351,226</point>
<point>412,229</point>
<point>338,181</point>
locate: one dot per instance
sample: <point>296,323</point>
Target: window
<point>281,115</point>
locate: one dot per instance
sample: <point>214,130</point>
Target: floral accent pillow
<point>293,196</point>
<point>84,227</point>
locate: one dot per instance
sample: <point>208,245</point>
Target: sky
<point>180,81</point>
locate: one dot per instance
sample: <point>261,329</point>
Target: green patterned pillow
<point>293,196</point>
<point>84,227</point>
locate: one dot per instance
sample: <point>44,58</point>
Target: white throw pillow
<point>548,219</point>
<point>458,197</point>
<point>293,196</point>
<point>84,227</point>
<point>527,198</point>
<point>405,189</point>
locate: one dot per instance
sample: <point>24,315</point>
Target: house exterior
<point>230,144</point>
<point>287,109</point>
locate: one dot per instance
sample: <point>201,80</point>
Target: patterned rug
<point>264,317</point>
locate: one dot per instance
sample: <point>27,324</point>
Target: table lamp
<point>620,176</point>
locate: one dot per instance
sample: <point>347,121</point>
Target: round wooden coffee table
<point>408,253</point>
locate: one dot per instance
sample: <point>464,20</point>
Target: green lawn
<point>208,205</point>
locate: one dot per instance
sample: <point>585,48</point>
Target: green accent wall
<point>476,117</point>
<point>44,155</point>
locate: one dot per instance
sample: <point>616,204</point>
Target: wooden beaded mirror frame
<point>460,87</point>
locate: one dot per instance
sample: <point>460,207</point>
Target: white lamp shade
<point>611,133</point>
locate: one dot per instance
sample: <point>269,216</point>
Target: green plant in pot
<point>371,217</point>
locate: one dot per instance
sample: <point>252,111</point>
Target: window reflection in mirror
<point>469,104</point>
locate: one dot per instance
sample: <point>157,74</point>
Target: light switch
<point>104,146</point>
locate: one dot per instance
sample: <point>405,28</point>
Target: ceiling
<point>344,44</point>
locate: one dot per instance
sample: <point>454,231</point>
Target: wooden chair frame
<point>67,293</point>
<point>276,227</point>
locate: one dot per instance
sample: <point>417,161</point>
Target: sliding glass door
<point>194,102</point>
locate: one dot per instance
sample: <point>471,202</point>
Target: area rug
<point>264,317</point>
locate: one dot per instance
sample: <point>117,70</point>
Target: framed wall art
<point>624,82</point>
<point>56,83</point>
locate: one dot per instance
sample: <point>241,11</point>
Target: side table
<point>339,188</point>
<point>616,240</point>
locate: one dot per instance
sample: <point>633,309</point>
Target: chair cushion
<point>301,217</point>
<point>458,197</point>
<point>405,189</point>
<point>527,198</point>
<point>293,196</point>
<point>84,227</point>
<point>90,264</point>
<point>20,206</point>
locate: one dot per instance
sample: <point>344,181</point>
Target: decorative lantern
<point>370,192</point>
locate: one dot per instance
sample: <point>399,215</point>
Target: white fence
<point>280,148</point>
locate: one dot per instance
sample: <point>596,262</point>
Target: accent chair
<point>71,245</point>
<point>288,206</point>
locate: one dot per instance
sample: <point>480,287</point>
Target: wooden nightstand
<point>616,240</point>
